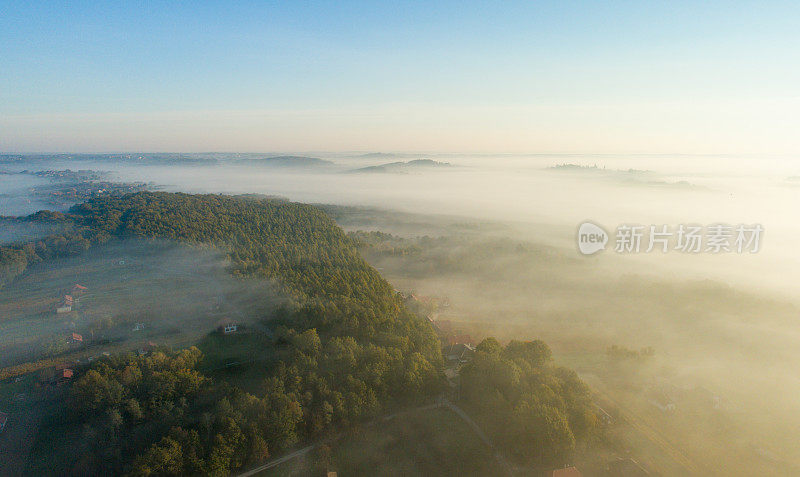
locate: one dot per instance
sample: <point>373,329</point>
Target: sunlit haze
<point>547,239</point>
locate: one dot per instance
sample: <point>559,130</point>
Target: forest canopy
<point>343,349</point>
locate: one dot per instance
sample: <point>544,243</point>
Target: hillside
<point>403,167</point>
<point>343,349</point>
<point>286,161</point>
<point>331,349</point>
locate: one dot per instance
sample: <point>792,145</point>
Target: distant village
<point>61,195</point>
<point>68,187</point>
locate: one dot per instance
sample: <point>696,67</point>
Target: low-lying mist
<point>546,201</point>
<point>502,248</point>
<point>136,292</point>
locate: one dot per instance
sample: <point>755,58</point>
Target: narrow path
<point>670,450</point>
<point>479,432</point>
<point>279,461</point>
<point>439,403</point>
<point>305,450</point>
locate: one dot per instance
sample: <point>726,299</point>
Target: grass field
<point>176,294</point>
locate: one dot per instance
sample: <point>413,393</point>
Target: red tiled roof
<point>77,337</point>
<point>456,339</point>
<point>66,374</point>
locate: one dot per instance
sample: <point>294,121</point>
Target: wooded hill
<point>344,349</point>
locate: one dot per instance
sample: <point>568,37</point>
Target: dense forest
<point>537,411</point>
<point>343,349</point>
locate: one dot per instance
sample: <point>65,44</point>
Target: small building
<point>227,327</point>
<point>61,376</point>
<point>462,338</point>
<point>139,327</point>
<point>78,289</point>
<point>76,338</point>
<point>3,420</point>
<point>64,309</point>
<point>68,300</point>
<point>604,417</point>
<point>460,352</point>
<point>570,471</point>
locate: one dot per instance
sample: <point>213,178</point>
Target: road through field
<point>678,457</point>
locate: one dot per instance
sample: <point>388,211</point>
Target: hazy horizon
<point>417,238</point>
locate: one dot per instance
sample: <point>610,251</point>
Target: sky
<point>490,77</point>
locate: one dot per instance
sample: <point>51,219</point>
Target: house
<point>456,339</point>
<point>228,327</point>
<point>68,300</point>
<point>76,338</point>
<point>626,468</point>
<point>570,471</point>
<point>604,417</point>
<point>460,352</point>
<point>3,420</point>
<point>61,376</point>
<point>78,289</point>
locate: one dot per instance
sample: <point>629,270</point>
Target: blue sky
<point>438,76</point>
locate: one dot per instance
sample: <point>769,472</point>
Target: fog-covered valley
<point>496,237</point>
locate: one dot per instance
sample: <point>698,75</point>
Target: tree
<point>164,458</point>
<point>489,345</point>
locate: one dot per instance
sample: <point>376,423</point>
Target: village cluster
<point>58,374</point>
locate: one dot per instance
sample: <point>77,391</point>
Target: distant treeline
<point>169,159</point>
<point>621,353</point>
